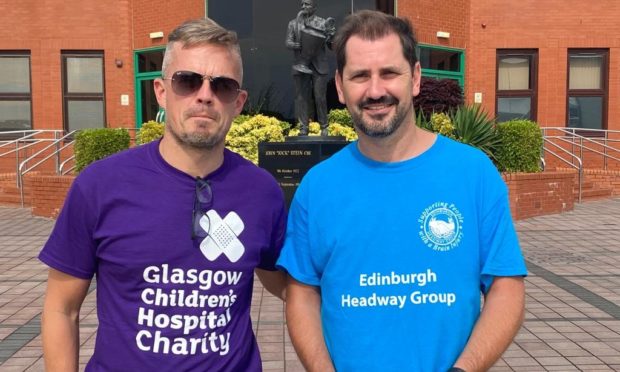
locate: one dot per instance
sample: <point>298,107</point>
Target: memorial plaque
<point>289,161</point>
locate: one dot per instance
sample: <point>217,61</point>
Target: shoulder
<point>340,164</point>
<point>461,154</point>
<point>117,165</point>
<point>472,166</point>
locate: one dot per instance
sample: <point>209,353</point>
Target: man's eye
<point>390,74</point>
<point>359,77</point>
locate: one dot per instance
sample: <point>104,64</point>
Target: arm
<point>303,317</point>
<point>292,41</point>
<point>499,322</point>
<point>60,320</point>
<point>273,281</point>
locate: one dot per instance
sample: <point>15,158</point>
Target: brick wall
<point>605,178</point>
<point>153,16</point>
<point>537,194</point>
<point>49,27</point>
<point>47,193</point>
<point>600,177</point>
<point>551,26</point>
<point>430,16</point>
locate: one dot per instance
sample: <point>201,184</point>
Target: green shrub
<point>244,135</point>
<point>521,141</point>
<point>340,116</point>
<point>149,131</point>
<point>94,144</point>
<point>442,124</point>
<point>241,118</point>
<point>473,127</point>
<point>422,121</point>
<point>438,95</point>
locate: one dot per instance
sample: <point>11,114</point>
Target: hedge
<point>521,143</point>
<point>94,144</point>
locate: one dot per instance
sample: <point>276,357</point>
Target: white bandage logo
<point>222,236</point>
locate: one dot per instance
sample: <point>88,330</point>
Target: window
<point>83,90</point>
<point>442,63</point>
<point>148,68</point>
<point>516,93</point>
<point>15,92</point>
<point>385,6</point>
<point>587,88</point>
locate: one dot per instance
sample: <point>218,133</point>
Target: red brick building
<point>557,61</point>
<point>86,63</point>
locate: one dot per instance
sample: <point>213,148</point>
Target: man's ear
<point>338,80</point>
<point>240,101</point>
<point>160,92</point>
<point>417,77</point>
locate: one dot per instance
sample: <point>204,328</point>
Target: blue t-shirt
<point>401,252</point>
<point>165,301</point>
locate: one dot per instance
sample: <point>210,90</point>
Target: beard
<point>382,127</point>
<point>197,139</point>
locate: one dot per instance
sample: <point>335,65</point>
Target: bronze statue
<point>307,36</point>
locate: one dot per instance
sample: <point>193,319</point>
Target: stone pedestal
<point>289,161</point>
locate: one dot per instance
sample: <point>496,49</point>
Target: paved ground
<point>573,296</point>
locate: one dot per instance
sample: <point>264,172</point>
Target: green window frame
<point>437,73</point>
<point>142,76</point>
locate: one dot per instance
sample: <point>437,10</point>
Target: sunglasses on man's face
<point>185,83</point>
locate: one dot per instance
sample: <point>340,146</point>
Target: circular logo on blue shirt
<point>441,226</point>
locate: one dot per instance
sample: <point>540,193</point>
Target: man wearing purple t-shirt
<point>173,230</point>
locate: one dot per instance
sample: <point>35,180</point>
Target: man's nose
<point>376,88</point>
<point>205,94</point>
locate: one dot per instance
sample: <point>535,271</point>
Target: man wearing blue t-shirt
<point>174,231</point>
<point>392,241</point>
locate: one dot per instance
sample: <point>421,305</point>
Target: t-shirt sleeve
<point>500,251</point>
<point>270,255</point>
<point>296,257</point>
<point>70,247</point>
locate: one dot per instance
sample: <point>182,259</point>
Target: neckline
<point>398,165</point>
<point>178,174</point>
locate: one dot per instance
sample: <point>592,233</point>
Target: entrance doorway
<point>148,68</point>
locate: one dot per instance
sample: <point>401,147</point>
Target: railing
<point>579,167</point>
<point>576,139</point>
<point>61,169</point>
<point>28,139</point>
<point>22,170</point>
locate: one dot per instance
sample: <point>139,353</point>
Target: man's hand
<point>499,322</point>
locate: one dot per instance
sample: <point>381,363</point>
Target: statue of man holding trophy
<point>307,36</point>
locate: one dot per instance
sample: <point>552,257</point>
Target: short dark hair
<point>372,25</point>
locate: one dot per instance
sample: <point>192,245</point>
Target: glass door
<point>148,67</point>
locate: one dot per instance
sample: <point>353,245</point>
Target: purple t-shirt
<point>166,301</point>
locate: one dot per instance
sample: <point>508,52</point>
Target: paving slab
<point>572,320</point>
